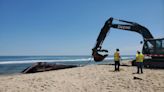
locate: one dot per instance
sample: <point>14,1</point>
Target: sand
<point>91,78</point>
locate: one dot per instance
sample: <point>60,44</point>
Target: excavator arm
<point>129,26</point>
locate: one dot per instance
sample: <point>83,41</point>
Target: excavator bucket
<point>98,58</point>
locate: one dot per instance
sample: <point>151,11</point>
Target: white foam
<point>64,60</point>
<point>34,61</point>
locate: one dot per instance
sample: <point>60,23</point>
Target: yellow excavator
<point>152,48</point>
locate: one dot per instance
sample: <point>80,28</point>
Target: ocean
<point>16,64</point>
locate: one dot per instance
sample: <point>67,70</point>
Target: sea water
<point>15,64</point>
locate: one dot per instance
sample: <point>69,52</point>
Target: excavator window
<point>163,44</point>
<point>150,46</point>
<point>159,44</point>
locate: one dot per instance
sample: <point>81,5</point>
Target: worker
<point>117,60</point>
<point>139,61</point>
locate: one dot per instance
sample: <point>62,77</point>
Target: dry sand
<point>92,78</point>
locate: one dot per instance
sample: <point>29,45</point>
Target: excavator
<point>153,49</point>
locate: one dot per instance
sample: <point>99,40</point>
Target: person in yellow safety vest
<point>117,60</point>
<point>139,61</point>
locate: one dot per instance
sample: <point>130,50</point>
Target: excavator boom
<point>99,41</point>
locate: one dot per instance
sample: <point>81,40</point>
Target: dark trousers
<point>117,65</point>
<point>139,67</point>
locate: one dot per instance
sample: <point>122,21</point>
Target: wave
<point>34,61</point>
<point>62,60</point>
<point>123,58</point>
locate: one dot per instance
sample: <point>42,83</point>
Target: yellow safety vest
<point>139,57</point>
<point>116,56</point>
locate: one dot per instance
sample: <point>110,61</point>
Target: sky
<point>71,27</point>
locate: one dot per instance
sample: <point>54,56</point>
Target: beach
<point>90,78</point>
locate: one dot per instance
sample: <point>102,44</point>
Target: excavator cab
<point>153,46</point>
